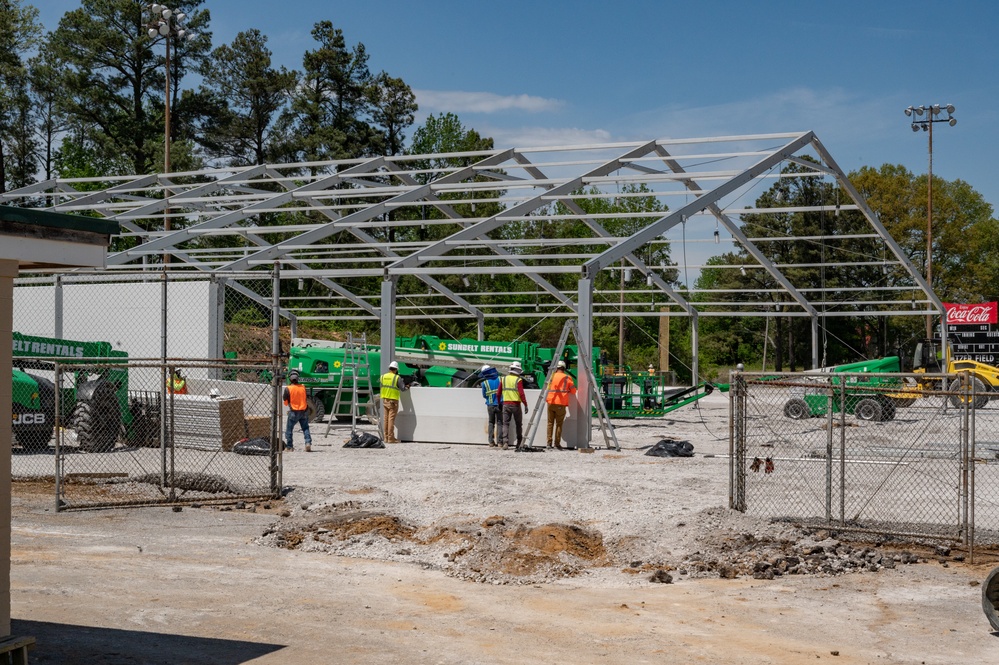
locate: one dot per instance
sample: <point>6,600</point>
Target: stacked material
<point>207,423</point>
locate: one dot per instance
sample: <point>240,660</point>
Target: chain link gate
<point>143,432</point>
<point>867,452</point>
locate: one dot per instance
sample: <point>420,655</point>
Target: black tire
<point>981,393</point>
<point>98,420</point>
<point>870,408</point>
<point>317,410</point>
<point>888,404</point>
<point>990,598</point>
<point>797,409</point>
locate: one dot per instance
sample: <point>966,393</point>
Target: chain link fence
<point>156,314</point>
<point>130,432</point>
<point>896,454</point>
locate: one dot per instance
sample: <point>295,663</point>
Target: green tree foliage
<point>327,119</point>
<point>19,33</point>
<point>393,108</point>
<point>46,99</point>
<point>240,100</point>
<point>114,80</point>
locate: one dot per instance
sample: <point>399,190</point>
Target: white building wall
<point>125,314</point>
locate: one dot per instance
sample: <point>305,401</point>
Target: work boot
<point>558,446</point>
<point>308,449</point>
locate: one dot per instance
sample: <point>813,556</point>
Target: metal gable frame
<point>330,222</point>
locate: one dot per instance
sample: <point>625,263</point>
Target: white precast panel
<point>458,415</point>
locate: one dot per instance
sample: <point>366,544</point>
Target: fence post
<point>58,437</point>
<point>276,480</point>
<point>164,378</point>
<point>830,410</point>
<point>57,333</point>
<point>737,446</point>
<point>216,319</point>
<point>842,453</point>
<point>969,408</point>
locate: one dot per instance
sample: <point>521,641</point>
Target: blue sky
<point>533,73</point>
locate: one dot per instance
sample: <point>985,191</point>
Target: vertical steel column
<point>583,415</point>
<point>815,342</point>
<point>695,370</point>
<point>480,326</point>
<point>216,319</point>
<point>58,308</point>
<point>387,311</point>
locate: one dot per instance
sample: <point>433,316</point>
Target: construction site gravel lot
<point>450,553</point>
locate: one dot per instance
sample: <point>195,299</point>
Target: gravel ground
<point>454,554</point>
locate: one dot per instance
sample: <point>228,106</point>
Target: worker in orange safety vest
<point>297,401</point>
<point>559,389</point>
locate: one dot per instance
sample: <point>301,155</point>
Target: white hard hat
<point>515,366</point>
<point>393,365</point>
<point>214,392</point>
<point>484,368</point>
<point>560,364</point>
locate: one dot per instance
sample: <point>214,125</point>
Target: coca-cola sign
<point>965,314</point>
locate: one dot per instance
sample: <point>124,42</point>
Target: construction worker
<point>392,387</point>
<point>494,402</point>
<point>559,389</point>
<point>177,384</point>
<point>298,412</point>
<point>513,397</point>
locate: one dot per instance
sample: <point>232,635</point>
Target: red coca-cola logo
<point>963,314</point>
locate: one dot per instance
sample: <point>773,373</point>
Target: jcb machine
<point>96,401</point>
<point>931,358</point>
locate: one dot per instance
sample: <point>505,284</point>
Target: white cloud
<point>533,137</point>
<point>457,101</point>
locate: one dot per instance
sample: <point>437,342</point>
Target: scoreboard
<point>973,331</point>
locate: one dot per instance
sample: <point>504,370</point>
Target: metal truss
<point>511,233</point>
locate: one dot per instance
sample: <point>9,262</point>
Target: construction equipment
<point>867,394</point>
<point>97,401</point>
<point>931,357</point>
<point>427,360</point>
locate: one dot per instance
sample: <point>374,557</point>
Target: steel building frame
<point>337,223</point>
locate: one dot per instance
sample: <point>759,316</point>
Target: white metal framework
<point>438,236</point>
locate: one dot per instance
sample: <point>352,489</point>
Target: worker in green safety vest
<point>392,387</point>
<point>513,398</point>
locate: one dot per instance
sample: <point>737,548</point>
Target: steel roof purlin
<point>438,225</point>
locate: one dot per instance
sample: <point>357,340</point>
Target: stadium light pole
<point>166,24</point>
<point>932,113</point>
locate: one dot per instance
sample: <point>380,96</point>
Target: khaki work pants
<point>556,416</point>
<point>390,408</point>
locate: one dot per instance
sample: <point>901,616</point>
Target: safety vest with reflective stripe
<point>560,389</point>
<point>177,385</point>
<point>490,388</point>
<point>510,393</point>
<point>390,386</point>
<point>296,397</point>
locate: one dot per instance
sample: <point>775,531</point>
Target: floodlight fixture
<point>932,113</point>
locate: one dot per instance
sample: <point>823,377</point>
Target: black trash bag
<point>256,446</point>
<point>363,440</point>
<point>671,448</point>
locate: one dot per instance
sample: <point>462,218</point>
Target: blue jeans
<point>301,417</point>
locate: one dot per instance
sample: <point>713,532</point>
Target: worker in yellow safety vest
<point>559,389</point>
<point>177,384</point>
<point>392,388</point>
<point>513,398</point>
